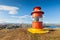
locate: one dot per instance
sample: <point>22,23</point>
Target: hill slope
<point>22,34</point>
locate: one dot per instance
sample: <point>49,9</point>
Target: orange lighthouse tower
<point>37,23</point>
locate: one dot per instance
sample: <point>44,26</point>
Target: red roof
<point>37,7</point>
<point>37,12</point>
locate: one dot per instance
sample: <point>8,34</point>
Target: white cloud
<point>20,19</point>
<point>1,21</point>
<point>11,9</point>
<point>23,19</point>
<point>24,16</point>
<point>13,21</point>
<point>7,21</point>
<point>4,21</point>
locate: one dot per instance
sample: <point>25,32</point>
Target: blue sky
<point>19,11</point>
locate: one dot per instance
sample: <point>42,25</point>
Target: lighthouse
<point>37,21</point>
<point>37,17</point>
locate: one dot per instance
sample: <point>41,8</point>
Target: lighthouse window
<point>35,19</point>
<point>40,19</point>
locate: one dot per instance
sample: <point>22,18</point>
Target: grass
<point>22,34</point>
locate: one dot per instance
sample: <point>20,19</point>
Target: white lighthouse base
<point>32,30</point>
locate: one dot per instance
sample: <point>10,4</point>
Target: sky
<point>19,11</point>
